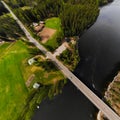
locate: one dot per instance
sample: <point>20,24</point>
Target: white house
<point>41,22</point>
<point>35,24</point>
<point>31,61</point>
<point>36,85</point>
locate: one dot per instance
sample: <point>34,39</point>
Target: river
<point>99,49</point>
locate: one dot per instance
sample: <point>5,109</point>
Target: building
<point>36,85</point>
<point>35,24</point>
<point>31,61</point>
<point>41,22</point>
<point>39,27</point>
<point>1,41</point>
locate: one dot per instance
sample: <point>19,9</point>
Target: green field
<point>55,40</point>
<point>15,102</point>
<point>3,47</point>
<point>13,91</point>
<point>54,23</point>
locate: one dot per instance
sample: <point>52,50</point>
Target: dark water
<point>99,47</point>
<point>99,50</point>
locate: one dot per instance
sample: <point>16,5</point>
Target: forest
<point>2,9</point>
<point>75,15</point>
<point>9,28</point>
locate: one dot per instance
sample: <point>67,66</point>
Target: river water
<point>99,49</point>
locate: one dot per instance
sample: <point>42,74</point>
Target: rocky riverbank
<point>112,96</point>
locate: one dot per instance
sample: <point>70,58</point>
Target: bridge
<point>106,110</point>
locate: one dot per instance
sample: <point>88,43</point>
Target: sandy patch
<point>46,33</point>
<point>35,68</point>
<point>30,79</point>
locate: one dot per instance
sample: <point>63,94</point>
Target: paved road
<point>83,88</point>
<point>60,49</point>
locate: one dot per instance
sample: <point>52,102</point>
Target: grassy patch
<point>13,91</point>
<point>16,100</point>
<point>56,39</point>
<point>53,23</point>
<point>48,78</point>
<point>3,47</point>
<point>52,43</point>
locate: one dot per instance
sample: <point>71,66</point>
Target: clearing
<point>46,34</point>
<point>52,33</point>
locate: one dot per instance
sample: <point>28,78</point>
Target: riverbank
<point>112,96</point>
<point>104,2</point>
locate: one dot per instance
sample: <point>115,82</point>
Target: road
<point>60,49</point>
<point>107,111</point>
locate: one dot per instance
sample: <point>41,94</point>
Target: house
<point>1,41</point>
<point>35,24</point>
<point>39,27</point>
<point>36,85</point>
<point>31,61</point>
<point>41,22</point>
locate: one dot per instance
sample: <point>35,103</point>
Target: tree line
<point>9,28</point>
<point>2,9</point>
<point>103,2</point>
<point>75,15</point>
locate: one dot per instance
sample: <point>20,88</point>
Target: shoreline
<point>110,96</point>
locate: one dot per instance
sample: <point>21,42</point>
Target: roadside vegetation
<point>70,57</point>
<point>2,9</point>
<point>4,46</point>
<point>9,29</point>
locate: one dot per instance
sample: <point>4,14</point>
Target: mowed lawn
<point>54,23</point>
<point>13,91</point>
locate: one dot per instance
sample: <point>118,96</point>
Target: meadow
<point>15,96</point>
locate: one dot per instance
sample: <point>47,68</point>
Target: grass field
<point>13,91</point>
<point>54,23</point>
<point>53,42</point>
<point>14,72</point>
<point>3,47</point>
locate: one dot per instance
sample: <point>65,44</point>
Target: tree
<point>9,28</point>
